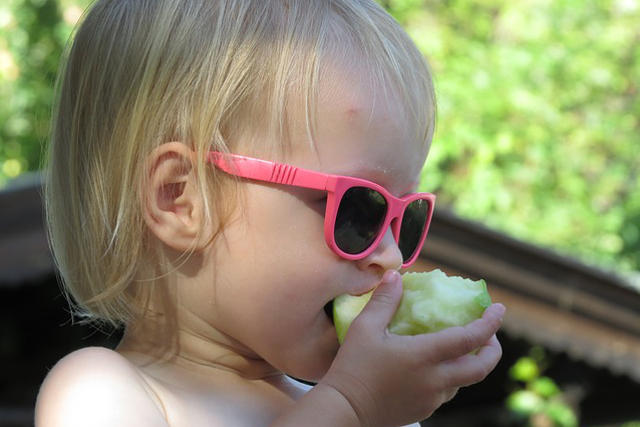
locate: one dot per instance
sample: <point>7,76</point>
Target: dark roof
<point>553,300</point>
<point>24,252</point>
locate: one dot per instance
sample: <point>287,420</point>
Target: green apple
<point>430,302</point>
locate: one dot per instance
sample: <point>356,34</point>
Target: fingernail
<point>390,276</point>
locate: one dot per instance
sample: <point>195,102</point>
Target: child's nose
<point>385,257</point>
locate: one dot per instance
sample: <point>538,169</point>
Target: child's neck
<point>204,354</point>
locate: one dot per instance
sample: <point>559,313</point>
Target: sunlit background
<point>539,119</point>
<point>538,132</point>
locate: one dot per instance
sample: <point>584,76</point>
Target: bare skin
<point>250,307</point>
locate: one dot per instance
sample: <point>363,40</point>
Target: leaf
<point>545,387</point>
<point>525,370</point>
<point>525,402</point>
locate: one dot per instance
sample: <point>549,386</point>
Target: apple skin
<point>431,301</point>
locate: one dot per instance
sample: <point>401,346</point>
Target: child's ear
<point>173,208</point>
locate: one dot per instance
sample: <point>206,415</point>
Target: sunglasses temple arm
<point>266,171</point>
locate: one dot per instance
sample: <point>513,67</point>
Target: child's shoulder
<point>95,386</point>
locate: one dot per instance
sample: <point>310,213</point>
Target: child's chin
<point>317,368</point>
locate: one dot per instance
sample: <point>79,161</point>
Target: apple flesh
<point>430,302</point>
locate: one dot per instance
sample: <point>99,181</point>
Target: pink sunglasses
<point>358,211</point>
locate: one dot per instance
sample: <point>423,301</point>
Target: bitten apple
<point>430,302</point>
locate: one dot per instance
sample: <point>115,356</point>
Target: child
<point>168,216</point>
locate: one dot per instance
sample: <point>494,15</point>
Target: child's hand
<point>391,379</point>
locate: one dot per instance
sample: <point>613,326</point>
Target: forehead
<point>361,129</point>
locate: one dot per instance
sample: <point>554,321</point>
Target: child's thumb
<point>385,300</point>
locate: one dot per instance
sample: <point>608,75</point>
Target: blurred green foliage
<point>27,67</point>
<point>32,36</point>
<point>537,400</point>
<point>538,130</point>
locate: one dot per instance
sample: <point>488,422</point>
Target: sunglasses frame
<point>335,186</point>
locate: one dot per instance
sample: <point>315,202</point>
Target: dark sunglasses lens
<point>413,224</point>
<point>360,216</point>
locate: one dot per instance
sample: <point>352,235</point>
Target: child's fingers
<point>450,394</point>
<point>458,341</point>
<point>383,303</point>
<point>473,368</point>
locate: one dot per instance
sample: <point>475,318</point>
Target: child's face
<point>274,271</point>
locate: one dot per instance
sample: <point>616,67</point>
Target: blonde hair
<point>143,72</point>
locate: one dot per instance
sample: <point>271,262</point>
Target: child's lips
<point>357,291</point>
<point>365,287</point>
